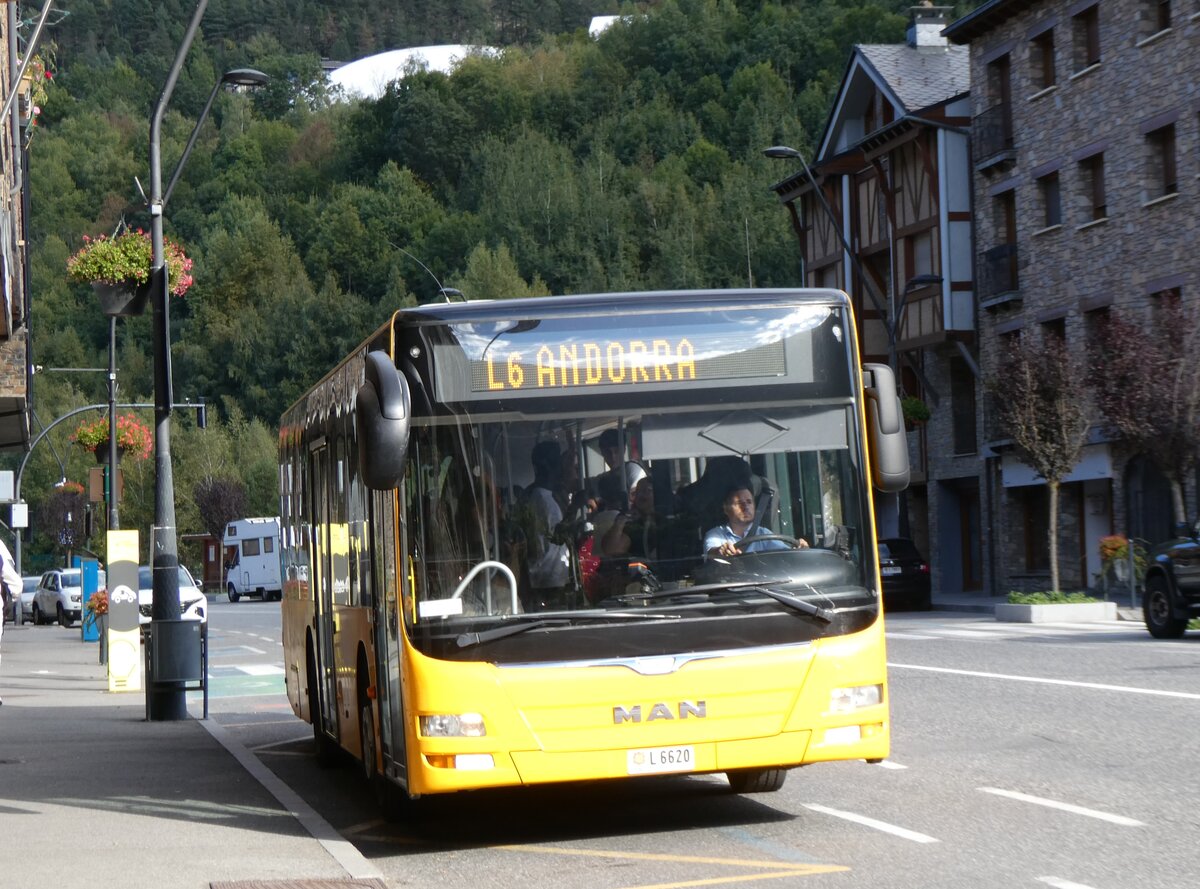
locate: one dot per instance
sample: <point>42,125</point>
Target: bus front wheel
<point>323,748</point>
<point>233,593</point>
<point>756,780</point>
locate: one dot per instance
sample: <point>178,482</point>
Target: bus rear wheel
<point>756,780</point>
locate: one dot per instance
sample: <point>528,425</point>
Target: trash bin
<point>174,651</point>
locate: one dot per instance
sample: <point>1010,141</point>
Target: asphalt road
<point>1022,755</point>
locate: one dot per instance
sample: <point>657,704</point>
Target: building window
<point>1091,182</point>
<point>1087,38</point>
<point>1051,199</point>
<point>1036,503</point>
<point>1041,59</point>
<point>1054,333</point>
<point>1095,327</point>
<point>1156,17</point>
<point>1161,178</point>
<point>962,407</point>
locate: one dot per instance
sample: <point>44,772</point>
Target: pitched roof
<point>920,77</point>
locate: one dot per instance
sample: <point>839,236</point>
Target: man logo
<point>683,710</point>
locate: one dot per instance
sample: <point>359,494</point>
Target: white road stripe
<point>1064,807</point>
<point>260,669</point>
<point>1098,686</point>
<point>971,634</point>
<point>892,635</point>
<point>1062,884</point>
<point>901,832</point>
<point>888,764</point>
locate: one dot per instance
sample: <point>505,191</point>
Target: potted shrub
<point>118,268</point>
<point>133,437</point>
<point>915,410</point>
<point>1046,607</point>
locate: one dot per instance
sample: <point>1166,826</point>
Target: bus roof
<point>543,305</point>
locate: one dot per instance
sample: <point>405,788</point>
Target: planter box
<point>1040,614</point>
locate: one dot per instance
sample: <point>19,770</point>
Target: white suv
<point>58,596</point>
<point>193,604</point>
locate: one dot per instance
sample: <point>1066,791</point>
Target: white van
<point>252,558</point>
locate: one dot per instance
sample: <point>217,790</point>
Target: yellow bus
<point>498,544</point>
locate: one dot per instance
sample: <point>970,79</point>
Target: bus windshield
<point>633,521</point>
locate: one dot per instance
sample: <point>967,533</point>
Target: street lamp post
<point>166,701</point>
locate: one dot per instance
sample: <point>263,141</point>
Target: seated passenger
<point>738,506</point>
<point>635,533</point>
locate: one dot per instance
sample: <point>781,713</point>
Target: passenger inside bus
<point>548,560</point>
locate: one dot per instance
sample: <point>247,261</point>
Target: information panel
<point>124,630</point>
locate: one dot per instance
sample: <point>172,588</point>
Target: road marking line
<point>888,764</point>
<point>902,832</point>
<point>261,747</point>
<point>773,870</point>
<point>1099,686</point>
<point>1065,807</point>
<point>1062,884</point>
<point>259,669</point>
<point>892,635</point>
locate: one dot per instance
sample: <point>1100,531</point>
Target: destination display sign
<point>662,351</point>
<point>628,361</point>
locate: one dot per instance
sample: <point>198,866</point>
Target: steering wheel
<point>746,541</point>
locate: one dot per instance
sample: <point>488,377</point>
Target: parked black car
<point>1173,583</point>
<point>905,575</point>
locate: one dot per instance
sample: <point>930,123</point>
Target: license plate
<point>889,569</point>
<point>654,760</point>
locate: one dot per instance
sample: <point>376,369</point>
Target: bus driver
<point>738,506</point>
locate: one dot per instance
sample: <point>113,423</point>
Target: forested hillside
<point>566,164</point>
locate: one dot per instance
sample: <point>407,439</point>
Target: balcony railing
<point>997,273</point>
<point>992,132</point>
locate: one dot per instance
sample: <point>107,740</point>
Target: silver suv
<point>59,596</point>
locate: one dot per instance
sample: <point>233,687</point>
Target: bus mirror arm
<point>885,429</point>
<point>383,409</point>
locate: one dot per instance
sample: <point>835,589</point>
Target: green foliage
<point>1049,598</point>
<point>915,410</point>
<point>565,164</point>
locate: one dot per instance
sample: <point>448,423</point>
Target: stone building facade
<point>1086,179</point>
<point>892,174</point>
<point>18,108</point>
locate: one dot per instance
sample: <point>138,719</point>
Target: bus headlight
<point>461,725</point>
<point>844,700</point>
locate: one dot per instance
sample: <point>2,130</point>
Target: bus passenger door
<point>322,586</point>
<point>389,618</point>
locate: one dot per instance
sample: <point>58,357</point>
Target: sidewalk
<point>92,795</point>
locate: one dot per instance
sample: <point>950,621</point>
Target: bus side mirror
<point>886,437</point>
<point>382,410</point>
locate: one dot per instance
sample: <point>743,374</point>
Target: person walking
<point>10,586</point>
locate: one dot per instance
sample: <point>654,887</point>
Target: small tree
<point>219,501</point>
<point>1040,405</point>
<point>1147,383</point>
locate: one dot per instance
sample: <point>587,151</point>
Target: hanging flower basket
<point>133,437</point>
<point>119,270</point>
<point>121,301</point>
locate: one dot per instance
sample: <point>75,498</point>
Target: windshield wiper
<point>824,615</point>
<point>794,602</point>
<point>467,640</point>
